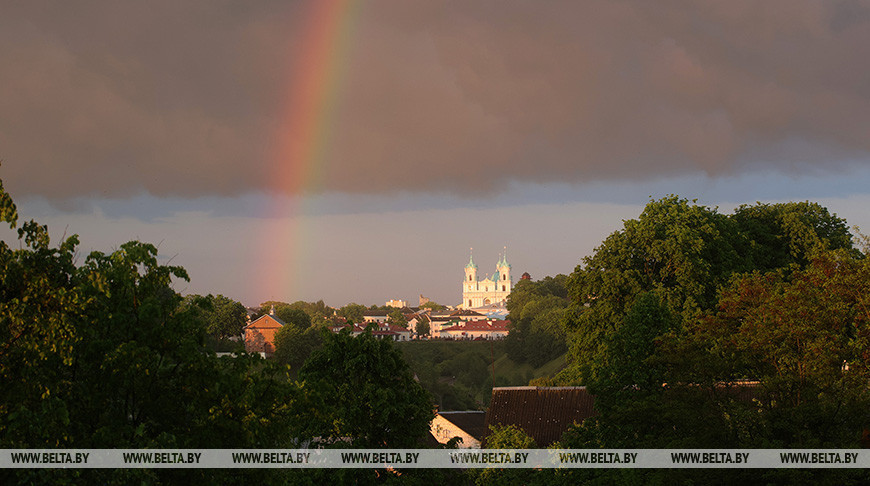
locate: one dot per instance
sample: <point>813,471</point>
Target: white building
<point>494,289</point>
<point>489,330</point>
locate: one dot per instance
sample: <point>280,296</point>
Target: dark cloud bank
<point>185,98</point>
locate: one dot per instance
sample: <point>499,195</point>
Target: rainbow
<point>316,77</point>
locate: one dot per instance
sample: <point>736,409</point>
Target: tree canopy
<point>222,317</point>
<point>353,312</point>
<point>536,314</point>
<point>435,306</point>
<point>294,344</point>
<point>365,394</point>
<point>713,331</point>
<point>685,253</point>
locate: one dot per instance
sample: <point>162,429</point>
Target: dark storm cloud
<point>184,98</point>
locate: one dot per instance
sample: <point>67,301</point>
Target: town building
<point>260,334</point>
<point>379,330</point>
<point>489,290</point>
<point>476,330</point>
<point>376,316</point>
<point>439,320</point>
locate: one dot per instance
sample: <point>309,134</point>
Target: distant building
<point>439,320</point>
<point>380,331</point>
<point>260,334</point>
<point>397,303</point>
<point>476,330</point>
<point>378,316</point>
<point>494,289</point>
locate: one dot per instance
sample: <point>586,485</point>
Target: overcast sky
<point>434,127</point>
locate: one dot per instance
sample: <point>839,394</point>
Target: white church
<point>490,291</point>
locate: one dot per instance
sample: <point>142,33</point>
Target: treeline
<point>105,354</point>
<point>699,329</point>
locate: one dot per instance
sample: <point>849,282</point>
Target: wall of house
<point>443,430</point>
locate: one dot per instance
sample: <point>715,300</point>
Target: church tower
<point>503,269</point>
<point>470,273</point>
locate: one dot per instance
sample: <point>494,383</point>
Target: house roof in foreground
<point>473,422</point>
<point>268,321</point>
<point>545,413</point>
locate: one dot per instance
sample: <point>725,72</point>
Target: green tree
<point>366,394</point>
<point>40,303</point>
<point>397,318</point>
<point>423,327</point>
<point>631,347</point>
<point>634,407</point>
<point>681,250</point>
<point>300,313</point>
<point>104,356</point>
<point>536,311</point>
<point>433,305</point>
<point>353,312</point>
<point>508,437</point>
<point>781,362</point>
<point>294,316</point>
<point>143,375</point>
<point>784,234</point>
<point>803,340</point>
<point>222,317</point>
<point>317,311</point>
<point>293,345</point>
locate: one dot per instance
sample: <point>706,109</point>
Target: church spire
<point>503,262</point>
<point>471,260</point>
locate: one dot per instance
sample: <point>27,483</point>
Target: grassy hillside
<point>459,374</point>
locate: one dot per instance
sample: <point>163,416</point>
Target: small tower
<point>504,274</point>
<point>470,271</point>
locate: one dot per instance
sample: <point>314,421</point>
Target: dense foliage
<point>107,355</point>
<point>685,253</point>
<point>294,344</point>
<point>536,314</point>
<point>459,374</point>
<point>367,394</point>
<point>696,329</point>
